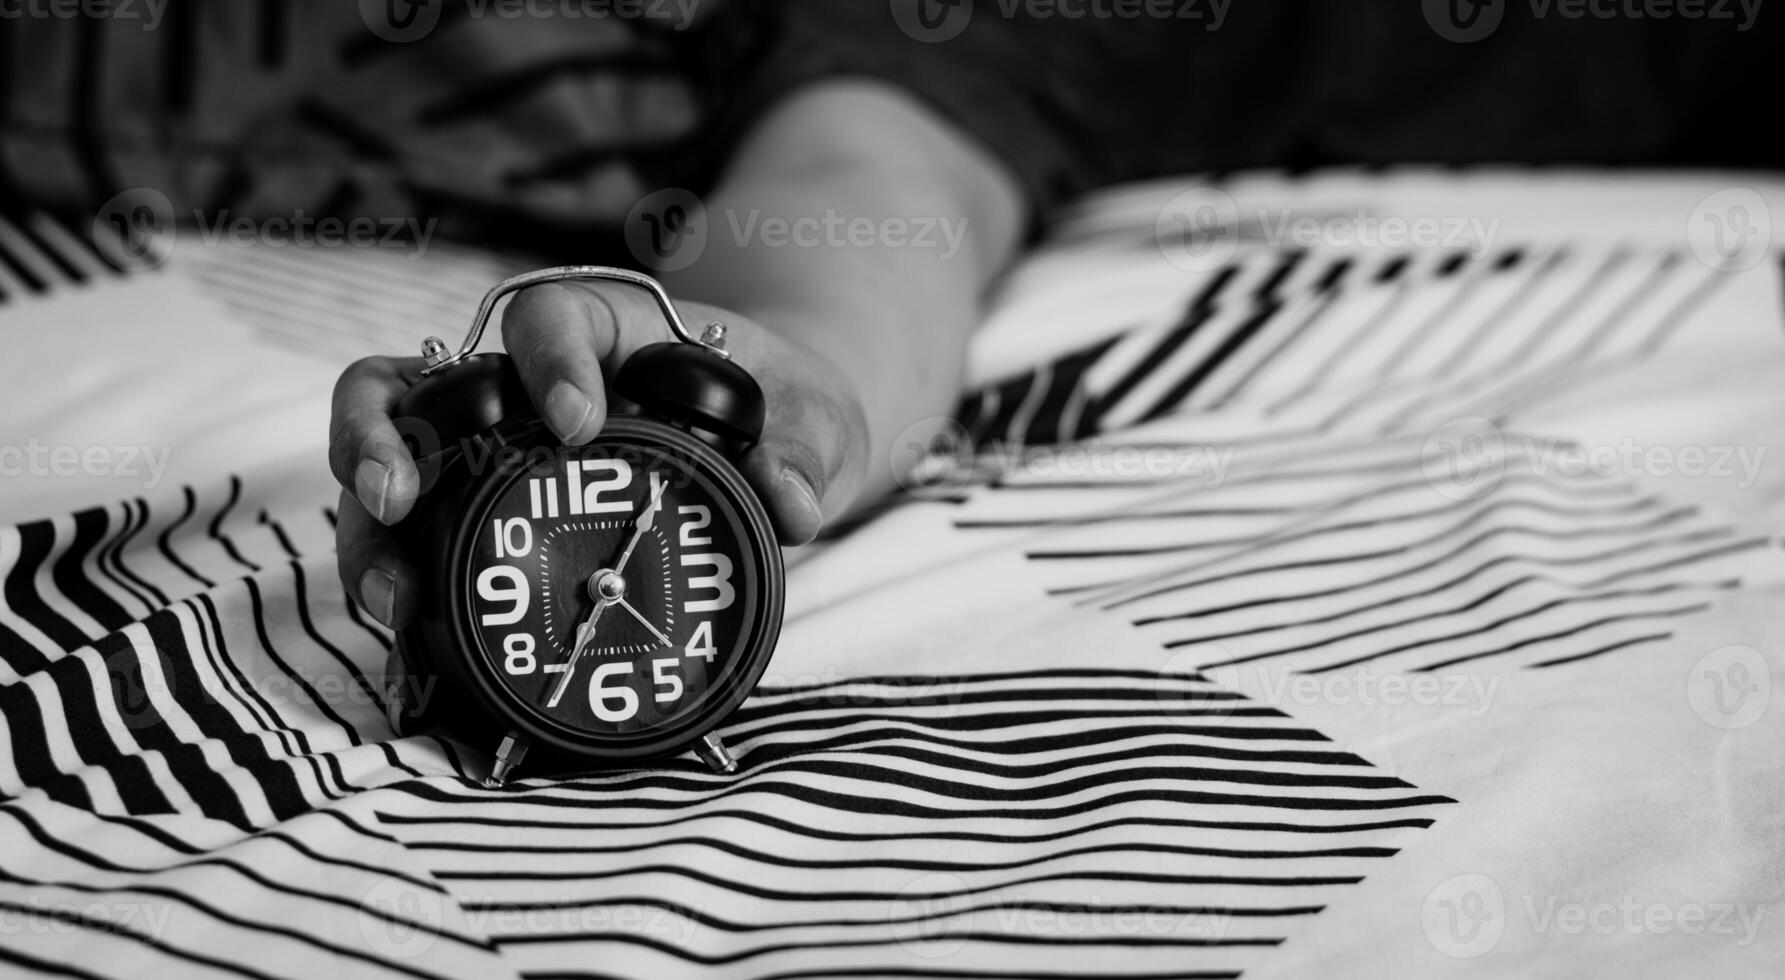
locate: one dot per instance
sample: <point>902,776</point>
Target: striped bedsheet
<point>1254,622</point>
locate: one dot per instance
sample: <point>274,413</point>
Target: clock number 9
<point>491,588</point>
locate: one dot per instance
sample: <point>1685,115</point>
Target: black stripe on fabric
<point>247,751</point>
<point>1324,294</point>
<point>1000,938</point>
<point>1062,908</point>
<point>773,894</point>
<point>45,967</point>
<point>23,717</point>
<point>111,928</point>
<point>49,841</point>
<point>23,270</point>
<point>111,560</point>
<point>1538,506</point>
<point>36,540</point>
<point>80,716</point>
<point>1198,311</point>
<point>216,527</point>
<point>1664,520</point>
<point>293,740</point>
<point>258,604</point>
<point>954,973</point>
<point>1057,743</point>
<point>129,689</point>
<point>1267,301</point>
<point>1068,378</point>
<point>788,861</point>
<point>1003,407</point>
<point>1572,631</point>
<point>1469,606</point>
<point>765,819</point>
<point>22,222</point>
<point>1395,600</point>
<point>848,803</point>
<point>1542,561</point>
<point>238,966</point>
<point>1600,651</point>
<point>71,578</point>
<point>165,540</point>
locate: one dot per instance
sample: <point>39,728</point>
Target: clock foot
<point>714,753</point>
<point>508,755</point>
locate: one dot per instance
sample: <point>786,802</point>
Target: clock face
<point>614,588</point>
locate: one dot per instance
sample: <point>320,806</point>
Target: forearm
<point>892,307</point>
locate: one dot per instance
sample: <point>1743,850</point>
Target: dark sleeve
<point>1016,90</point>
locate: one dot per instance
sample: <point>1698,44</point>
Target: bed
<point>1369,573</point>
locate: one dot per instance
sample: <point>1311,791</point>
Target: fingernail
<point>371,483</point>
<point>395,701</point>
<point>567,410</point>
<point>378,593</point>
<point>806,502</point>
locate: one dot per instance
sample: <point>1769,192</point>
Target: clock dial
<point>613,586</point>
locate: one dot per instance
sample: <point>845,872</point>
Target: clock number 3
<point>719,582</point>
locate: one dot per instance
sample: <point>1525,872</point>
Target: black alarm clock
<point>593,605</point>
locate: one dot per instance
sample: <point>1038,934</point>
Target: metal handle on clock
<point>435,351</point>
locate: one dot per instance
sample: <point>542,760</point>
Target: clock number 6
<point>600,694</point>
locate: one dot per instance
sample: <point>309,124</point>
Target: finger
<point>801,469</point>
<point>559,335</point>
<point>372,567</point>
<point>366,452</point>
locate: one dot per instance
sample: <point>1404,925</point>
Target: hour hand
<point>666,641</point>
<point>606,588</point>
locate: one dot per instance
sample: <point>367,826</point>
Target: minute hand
<point>643,524</point>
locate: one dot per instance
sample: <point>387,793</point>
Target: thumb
<point>802,469</point>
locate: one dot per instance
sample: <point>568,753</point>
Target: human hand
<point>565,338</point>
